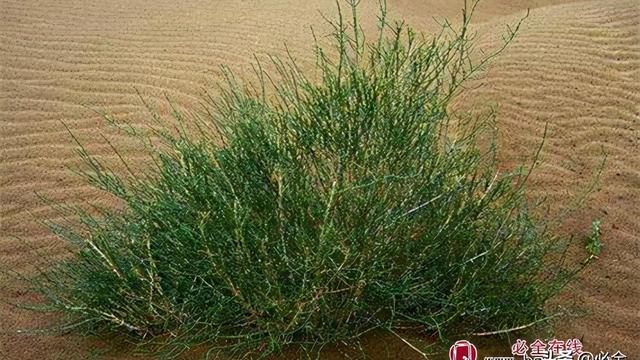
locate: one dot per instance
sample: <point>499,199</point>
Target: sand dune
<point>575,66</point>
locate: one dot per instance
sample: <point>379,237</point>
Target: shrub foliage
<point>312,207</point>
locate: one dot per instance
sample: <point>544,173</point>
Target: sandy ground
<point>575,66</point>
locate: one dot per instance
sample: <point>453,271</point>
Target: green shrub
<point>593,244</point>
<point>310,208</point>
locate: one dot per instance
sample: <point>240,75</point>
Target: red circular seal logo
<point>463,350</point>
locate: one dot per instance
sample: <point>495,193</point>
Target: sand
<point>575,66</point>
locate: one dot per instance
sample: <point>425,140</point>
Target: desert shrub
<point>312,207</point>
